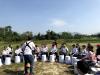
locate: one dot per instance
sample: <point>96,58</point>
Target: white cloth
<point>26,49</point>
<point>84,52</point>
<point>74,51</point>
<point>18,51</point>
<point>44,49</point>
<point>54,49</point>
<point>64,50</point>
<point>8,49</point>
<point>4,52</point>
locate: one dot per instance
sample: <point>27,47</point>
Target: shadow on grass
<point>70,70</point>
<point>12,72</point>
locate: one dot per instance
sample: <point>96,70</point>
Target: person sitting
<point>89,60</point>
<point>9,50</point>
<point>44,50</point>
<point>18,52</point>
<point>53,50</point>
<point>74,51</point>
<point>78,47</point>
<point>54,43</point>
<point>63,50</point>
<point>84,51</point>
<point>37,51</point>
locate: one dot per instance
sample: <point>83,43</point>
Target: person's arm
<point>33,46</point>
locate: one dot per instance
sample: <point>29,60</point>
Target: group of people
<point>85,53</point>
<point>28,49</point>
<point>87,57</point>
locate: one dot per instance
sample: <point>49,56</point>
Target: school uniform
<point>44,50</point>
<point>54,50</point>
<point>28,49</point>
<point>19,53</point>
<point>63,51</point>
<point>9,50</point>
<point>75,52</point>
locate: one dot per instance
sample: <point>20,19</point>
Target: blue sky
<point>81,16</point>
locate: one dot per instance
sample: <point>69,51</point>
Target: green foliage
<point>6,34</point>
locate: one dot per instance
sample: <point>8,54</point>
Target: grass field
<point>41,68</point>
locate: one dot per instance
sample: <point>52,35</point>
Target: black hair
<point>29,38</point>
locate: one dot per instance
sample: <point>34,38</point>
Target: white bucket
<point>74,60</point>
<point>52,58</point>
<point>7,60</point>
<point>0,62</point>
<point>17,59</point>
<point>75,69</point>
<point>67,60</point>
<point>61,58</point>
<point>35,58</point>
<point>44,58</point>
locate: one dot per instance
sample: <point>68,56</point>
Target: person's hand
<point>82,60</point>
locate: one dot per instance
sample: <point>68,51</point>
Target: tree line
<point>7,34</point>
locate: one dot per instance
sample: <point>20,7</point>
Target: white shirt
<point>9,49</point>
<point>54,49</point>
<point>75,51</point>
<point>18,51</point>
<point>64,49</point>
<point>4,52</point>
<point>27,50</point>
<point>84,52</point>
<point>44,49</point>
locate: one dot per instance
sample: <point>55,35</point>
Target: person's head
<point>36,45</point>
<point>45,45</point>
<point>9,45</point>
<point>17,47</point>
<point>29,38</point>
<point>91,48</point>
<point>77,44</point>
<point>83,46</point>
<point>4,47</point>
<point>73,45</point>
<point>89,44</point>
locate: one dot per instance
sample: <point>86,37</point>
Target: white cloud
<point>58,22</point>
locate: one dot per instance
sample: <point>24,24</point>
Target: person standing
<point>98,52</point>
<point>28,49</point>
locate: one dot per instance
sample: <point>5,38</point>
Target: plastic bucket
<point>61,58</point>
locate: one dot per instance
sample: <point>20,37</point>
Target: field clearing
<point>41,68</point>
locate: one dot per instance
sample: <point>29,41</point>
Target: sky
<point>82,16</point>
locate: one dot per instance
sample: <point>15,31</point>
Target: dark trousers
<point>3,58</point>
<point>29,59</point>
<point>62,53</point>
